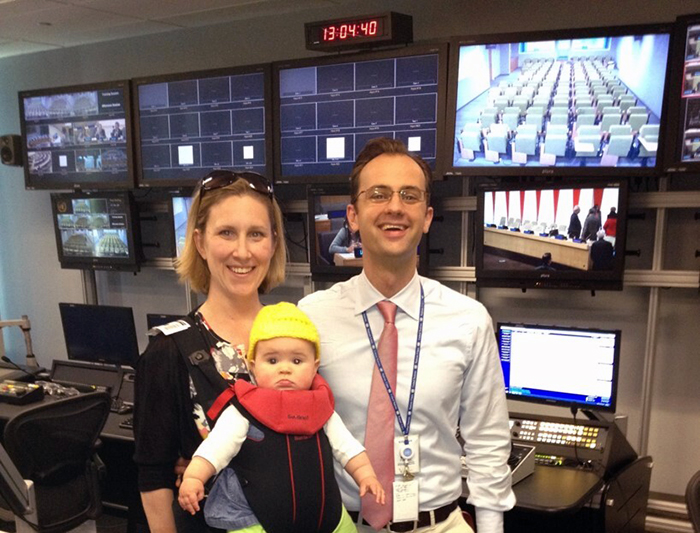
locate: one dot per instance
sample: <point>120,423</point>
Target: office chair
<point>692,500</point>
<point>53,445</point>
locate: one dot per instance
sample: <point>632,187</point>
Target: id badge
<point>405,501</point>
<point>406,455</point>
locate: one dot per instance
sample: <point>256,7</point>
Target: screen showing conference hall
<point>189,124</point>
<point>329,108</point>
<point>77,137</point>
<point>521,104</point>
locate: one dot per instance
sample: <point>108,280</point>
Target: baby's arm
<point>360,469</point>
<point>351,454</point>
<point>192,487</point>
<point>214,453</point>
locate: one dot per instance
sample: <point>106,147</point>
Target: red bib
<point>294,412</point>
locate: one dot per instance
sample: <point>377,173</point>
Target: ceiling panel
<point>157,9</point>
<point>15,48</point>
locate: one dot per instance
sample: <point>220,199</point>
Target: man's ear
<point>428,219</point>
<point>351,213</point>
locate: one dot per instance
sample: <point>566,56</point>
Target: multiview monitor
<point>326,109</point>
<point>96,230</point>
<point>576,102</point>
<point>540,234</point>
<point>192,123</point>
<point>100,333</point>
<point>683,148</point>
<point>77,137</point>
<point>561,366</point>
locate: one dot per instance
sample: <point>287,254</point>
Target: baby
<point>279,437</point>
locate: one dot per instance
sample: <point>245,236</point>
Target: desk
<point>347,259</point>
<point>572,254</point>
<point>552,489</point>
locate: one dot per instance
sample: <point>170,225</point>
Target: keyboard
<point>127,423</point>
<point>120,406</point>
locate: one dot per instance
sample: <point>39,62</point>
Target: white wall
<point>32,283</point>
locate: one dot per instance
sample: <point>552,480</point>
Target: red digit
<point>373,27</point>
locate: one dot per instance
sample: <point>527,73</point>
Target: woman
<point>345,240</point>
<point>234,250</point>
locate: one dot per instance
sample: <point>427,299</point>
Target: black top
<point>164,428</point>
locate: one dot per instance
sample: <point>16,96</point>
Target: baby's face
<point>284,363</point>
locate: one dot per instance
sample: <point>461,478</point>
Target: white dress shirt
<point>224,441</point>
<point>460,382</point>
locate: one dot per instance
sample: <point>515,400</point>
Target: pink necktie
<point>379,433</point>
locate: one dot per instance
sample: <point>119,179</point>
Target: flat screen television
<point>560,365</point>
<point>530,235</point>
<point>189,124</point>
<point>96,230</point>
<point>100,333</point>
<point>578,102</point>
<point>335,252</point>
<point>327,108</point>
<point>180,207</point>
<point>77,137</point>
<point>683,146</point>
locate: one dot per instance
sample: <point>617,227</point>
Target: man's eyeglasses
<point>383,194</point>
<point>218,179</point>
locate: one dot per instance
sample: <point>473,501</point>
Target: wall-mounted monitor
<point>77,137</point>
<point>539,234</point>
<point>100,333</point>
<point>683,146</point>
<point>561,366</point>
<point>180,207</point>
<point>189,124</point>
<point>335,251</point>
<point>580,102</point>
<point>96,230</point>
<point>327,108</point>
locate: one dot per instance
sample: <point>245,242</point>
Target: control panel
<point>563,434</point>
<point>20,393</point>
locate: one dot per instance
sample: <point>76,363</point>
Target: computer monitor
<point>530,234</point>
<point>96,230</point>
<point>576,102</point>
<point>683,146</point>
<point>180,209</point>
<point>560,365</point>
<point>77,137</point>
<point>189,124</point>
<point>99,333</point>
<point>327,108</point>
<point>335,252</point>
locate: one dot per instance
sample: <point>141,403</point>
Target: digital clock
<point>359,32</point>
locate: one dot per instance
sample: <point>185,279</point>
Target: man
<point>546,263</point>
<point>602,253</point>
<point>574,230</point>
<point>458,380</point>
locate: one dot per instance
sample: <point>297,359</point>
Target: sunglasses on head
<point>218,179</point>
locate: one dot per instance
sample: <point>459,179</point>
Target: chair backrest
<point>53,445</point>
<point>692,500</point>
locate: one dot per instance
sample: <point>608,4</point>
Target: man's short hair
<point>380,146</point>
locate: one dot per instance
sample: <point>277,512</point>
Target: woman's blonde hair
<point>191,267</point>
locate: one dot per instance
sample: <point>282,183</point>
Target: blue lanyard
<point>404,428</point>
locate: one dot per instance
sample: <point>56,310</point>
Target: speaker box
<point>11,150</point>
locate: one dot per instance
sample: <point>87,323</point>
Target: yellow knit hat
<point>282,320</point>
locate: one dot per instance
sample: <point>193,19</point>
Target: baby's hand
<point>191,491</point>
<point>371,484</point>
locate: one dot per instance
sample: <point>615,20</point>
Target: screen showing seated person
<point>99,333</point>
<point>571,102</point>
<point>690,105</point>
<point>188,127</point>
<point>560,365</point>
<point>329,110</point>
<point>94,231</point>
<point>77,139</point>
<point>335,244</point>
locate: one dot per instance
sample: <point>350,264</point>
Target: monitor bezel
<point>130,324</point>
<point>673,163</point>
<point>265,69</point>
<point>130,264</point>
<point>560,403</point>
<point>526,279</point>
<point>548,35</point>
<point>437,47</point>
<point>33,183</point>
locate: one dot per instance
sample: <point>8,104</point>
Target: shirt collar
<point>407,299</point>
